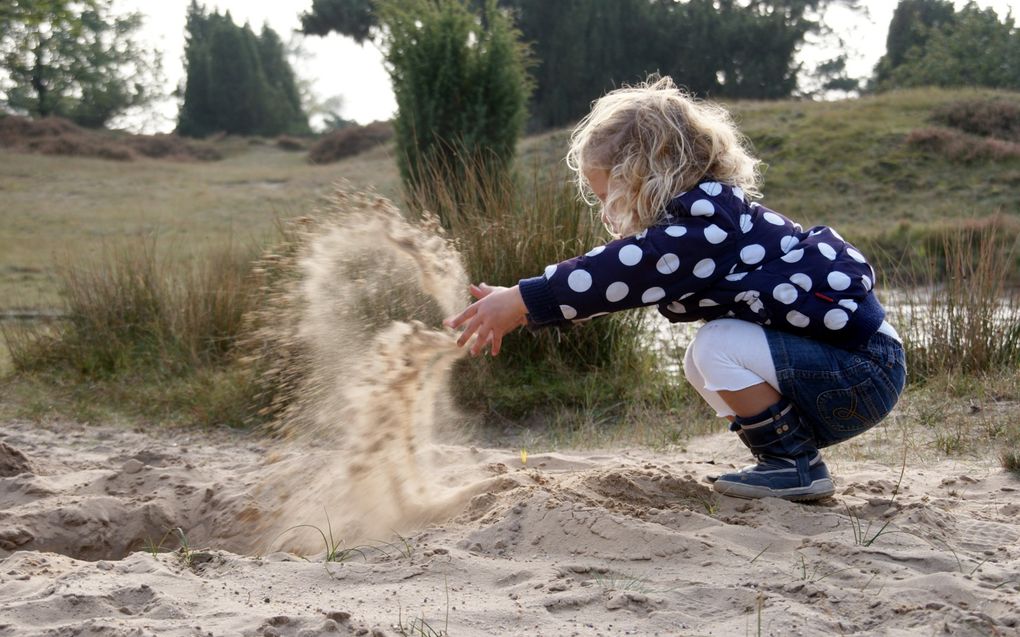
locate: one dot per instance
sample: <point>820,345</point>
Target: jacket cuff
<point>539,299</point>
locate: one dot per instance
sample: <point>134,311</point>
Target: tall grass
<point>136,316</point>
<point>963,316</point>
<point>509,227</point>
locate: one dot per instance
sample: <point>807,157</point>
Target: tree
<point>237,82</point>
<point>975,48</point>
<point>911,24</point>
<point>460,82</point>
<point>582,48</point>
<point>74,59</point>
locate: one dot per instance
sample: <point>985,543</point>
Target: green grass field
<point>58,209</point>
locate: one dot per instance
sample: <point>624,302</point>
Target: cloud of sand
<point>363,308</point>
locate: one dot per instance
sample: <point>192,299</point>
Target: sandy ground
<point>621,543</point>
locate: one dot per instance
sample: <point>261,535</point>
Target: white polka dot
<point>796,319</point>
<point>752,254</point>
<point>616,291</point>
<point>568,312</point>
<point>714,234</point>
<point>711,188</point>
<point>641,235</point>
<point>630,255</point>
<point>838,281</point>
<point>707,303</point>
<point>676,307</point>
<point>866,280</point>
<point>668,263</point>
<point>676,231</point>
<point>702,208</point>
<point>704,268</point>
<point>652,295</point>
<point>786,243</point>
<point>686,295</point>
<point>736,276</point>
<point>837,235</point>
<point>802,280</point>
<point>835,319</point>
<point>793,256</point>
<point>738,193</point>
<point>849,304</point>
<point>785,293</point>
<point>827,251</point>
<point>745,223</point>
<point>579,281</point>
<point>594,252</point>
<point>550,270</point>
<point>773,218</point>
<point>855,255</point>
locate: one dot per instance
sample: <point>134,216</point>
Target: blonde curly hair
<point>656,141</point>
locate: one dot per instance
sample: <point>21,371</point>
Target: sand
<point>616,543</point>
<point>353,518</point>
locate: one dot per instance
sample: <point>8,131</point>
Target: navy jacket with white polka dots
<point>716,255</point>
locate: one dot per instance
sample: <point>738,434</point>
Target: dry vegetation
<point>349,141</point>
<point>58,136</point>
<point>903,204</point>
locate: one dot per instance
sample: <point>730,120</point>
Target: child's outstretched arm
<point>497,312</point>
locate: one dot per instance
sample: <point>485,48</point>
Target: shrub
<point>988,118</point>
<point>960,147</point>
<point>349,141</point>
<point>460,82</point>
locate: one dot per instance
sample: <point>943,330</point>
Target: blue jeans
<point>839,393</point>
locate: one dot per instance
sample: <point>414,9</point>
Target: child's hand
<point>497,311</point>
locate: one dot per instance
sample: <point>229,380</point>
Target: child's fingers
<point>471,328</point>
<point>497,342</point>
<point>454,322</point>
<point>480,343</point>
<point>481,290</point>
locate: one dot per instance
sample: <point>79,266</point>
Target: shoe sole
<point>817,490</point>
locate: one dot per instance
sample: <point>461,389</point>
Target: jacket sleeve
<point>655,266</point>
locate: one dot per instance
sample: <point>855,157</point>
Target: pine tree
<point>237,82</point>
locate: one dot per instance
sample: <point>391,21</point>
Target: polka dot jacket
<point>716,255</point>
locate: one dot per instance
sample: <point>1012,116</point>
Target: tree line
<point>78,59</point>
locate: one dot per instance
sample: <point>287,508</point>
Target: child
<point>795,351</point>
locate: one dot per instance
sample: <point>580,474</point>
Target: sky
<point>335,65</point>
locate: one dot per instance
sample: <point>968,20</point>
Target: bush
<point>460,81</point>
<point>349,141</point>
<point>960,147</point>
<point>988,118</point>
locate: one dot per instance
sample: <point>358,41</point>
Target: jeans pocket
<point>844,412</point>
